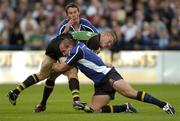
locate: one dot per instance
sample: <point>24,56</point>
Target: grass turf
<point>59,107</point>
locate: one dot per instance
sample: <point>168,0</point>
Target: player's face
<point>107,41</point>
<point>73,14</point>
<point>65,49</point>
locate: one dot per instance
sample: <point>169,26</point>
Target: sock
<point>114,108</point>
<point>74,87</point>
<point>32,79</point>
<point>49,86</point>
<point>145,97</point>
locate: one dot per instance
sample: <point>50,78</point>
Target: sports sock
<point>32,79</point>
<point>74,87</point>
<point>49,86</point>
<point>114,108</point>
<point>145,97</point>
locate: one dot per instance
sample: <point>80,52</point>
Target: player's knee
<point>96,109</point>
<point>129,93</point>
<point>50,82</point>
<point>41,76</point>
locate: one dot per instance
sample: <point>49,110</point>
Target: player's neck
<point>76,26</point>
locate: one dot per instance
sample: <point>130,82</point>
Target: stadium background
<point>147,52</point>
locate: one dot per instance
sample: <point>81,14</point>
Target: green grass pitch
<point>59,107</point>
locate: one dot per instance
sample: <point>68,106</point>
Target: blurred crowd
<point>138,24</point>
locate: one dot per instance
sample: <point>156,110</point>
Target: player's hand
<point>68,25</point>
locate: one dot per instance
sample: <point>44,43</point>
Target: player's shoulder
<point>65,21</point>
<point>84,21</point>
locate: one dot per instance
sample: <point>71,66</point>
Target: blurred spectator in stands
<point>103,27</point>
<point>59,12</point>
<point>21,9</point>
<point>82,6</point>
<point>28,24</point>
<point>164,39</point>
<point>62,3</point>
<point>43,14</point>
<point>4,36</point>
<point>166,14</point>
<point>5,8</point>
<point>137,40</point>
<point>175,23</point>
<point>128,6</point>
<point>159,24</point>
<point>129,30</point>
<point>93,11</point>
<point>145,29</point>
<point>139,18</point>
<point>39,12</point>
<point>151,41</point>
<point>35,40</point>
<point>11,18</point>
<point>2,21</point>
<point>150,6</point>
<point>48,5</point>
<point>51,33</point>
<point>16,39</point>
<point>175,39</point>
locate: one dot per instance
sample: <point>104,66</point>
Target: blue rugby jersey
<point>85,25</point>
<point>88,62</point>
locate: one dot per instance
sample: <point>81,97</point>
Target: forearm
<point>60,68</point>
<point>66,29</point>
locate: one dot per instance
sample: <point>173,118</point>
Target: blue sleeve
<point>61,27</point>
<point>74,55</point>
<point>89,25</point>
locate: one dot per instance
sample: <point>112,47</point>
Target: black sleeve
<point>94,42</point>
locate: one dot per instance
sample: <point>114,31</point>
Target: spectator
<point>152,39</point>
<point>16,39</point>
<point>44,14</point>
<point>129,30</point>
<point>175,39</point>
<point>164,39</point>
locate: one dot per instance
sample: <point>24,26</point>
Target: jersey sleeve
<point>74,55</point>
<point>94,42</point>
<point>89,25</point>
<point>61,27</point>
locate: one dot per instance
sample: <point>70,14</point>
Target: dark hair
<point>68,38</point>
<point>73,5</point>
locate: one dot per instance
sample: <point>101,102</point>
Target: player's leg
<point>100,103</point>
<point>72,75</point>
<point>125,89</point>
<point>104,92</point>
<point>32,79</point>
<point>48,88</point>
<point>74,87</point>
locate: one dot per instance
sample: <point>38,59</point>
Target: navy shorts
<point>105,86</point>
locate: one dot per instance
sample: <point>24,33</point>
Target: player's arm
<point>89,25</point>
<point>60,67</point>
<point>64,26</point>
<point>74,55</point>
<point>67,26</point>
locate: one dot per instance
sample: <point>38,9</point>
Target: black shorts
<point>105,87</point>
<point>53,48</point>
